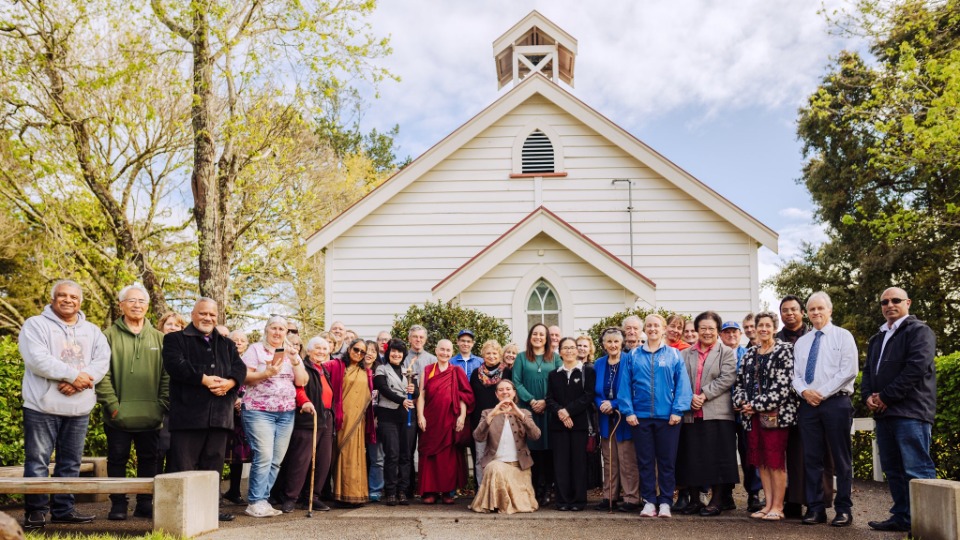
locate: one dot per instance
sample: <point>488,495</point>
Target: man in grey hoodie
<point>64,356</point>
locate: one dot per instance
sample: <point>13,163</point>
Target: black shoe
<point>562,508</point>
<point>144,510</point>
<point>235,498</point>
<point>223,516</point>
<point>683,499</point>
<point>390,500</point>
<point>273,500</point>
<point>843,519</point>
<point>287,506</point>
<point>319,506</point>
<point>792,510</point>
<point>73,517</point>
<point>710,511</point>
<point>402,499</point>
<point>628,507</point>
<point>604,506</point>
<point>754,503</point>
<point>118,512</point>
<point>814,518</point>
<point>728,504</point>
<point>888,525</point>
<point>33,520</point>
<point>691,509</point>
<point>576,507</point>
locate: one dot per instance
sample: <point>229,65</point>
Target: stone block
<point>99,471</point>
<point>935,509</point>
<point>186,503</point>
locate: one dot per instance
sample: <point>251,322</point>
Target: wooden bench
<point>89,467</point>
<point>184,504</point>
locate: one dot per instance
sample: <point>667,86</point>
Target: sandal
<point>773,516</point>
<point>760,514</point>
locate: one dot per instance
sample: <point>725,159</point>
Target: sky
<point>713,86</point>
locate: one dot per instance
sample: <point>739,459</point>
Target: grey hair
<point>271,320</point>
<point>203,299</point>
<point>135,287</point>
<point>633,318</point>
<point>769,315</point>
<point>67,282</point>
<point>820,295</point>
<point>314,342</point>
<point>417,328</point>
<point>613,330</point>
<point>237,332</point>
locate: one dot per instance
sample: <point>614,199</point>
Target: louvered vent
<point>537,154</point>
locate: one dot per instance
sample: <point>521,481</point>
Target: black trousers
<point>570,466</point>
<point>197,450</point>
<point>119,442</point>
<point>826,433</point>
<point>397,440</point>
<point>542,471</point>
<point>293,481</point>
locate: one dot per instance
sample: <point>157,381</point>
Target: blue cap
<point>730,324</point>
<point>466,332</point>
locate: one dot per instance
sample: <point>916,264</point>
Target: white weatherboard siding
<point>397,252</point>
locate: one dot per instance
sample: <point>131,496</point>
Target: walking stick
<point>409,395</point>
<point>313,464</point>
<point>613,435</point>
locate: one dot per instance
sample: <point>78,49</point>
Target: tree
<point>237,50</point>
<point>883,148</point>
<point>90,144</point>
<point>445,320</point>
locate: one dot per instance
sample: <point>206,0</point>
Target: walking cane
<point>313,464</point>
<point>613,435</point>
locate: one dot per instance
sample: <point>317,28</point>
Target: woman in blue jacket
<point>653,393</point>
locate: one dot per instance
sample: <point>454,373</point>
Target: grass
<point>33,535</point>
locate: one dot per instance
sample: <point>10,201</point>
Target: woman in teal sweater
<point>530,372</point>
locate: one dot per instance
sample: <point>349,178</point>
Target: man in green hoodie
<point>134,395</point>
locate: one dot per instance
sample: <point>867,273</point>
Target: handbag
<point>593,437</point>
<point>769,419</point>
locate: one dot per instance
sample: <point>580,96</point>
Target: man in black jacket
<point>205,373</point>
<point>899,385</point>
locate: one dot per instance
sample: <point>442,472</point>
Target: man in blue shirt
<point>466,360</point>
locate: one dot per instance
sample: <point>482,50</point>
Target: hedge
<point>445,321</point>
<point>617,320</point>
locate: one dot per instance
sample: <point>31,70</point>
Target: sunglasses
<point>894,301</point>
<point>358,350</point>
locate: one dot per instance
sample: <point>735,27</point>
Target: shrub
<point>616,319</point>
<point>445,320</point>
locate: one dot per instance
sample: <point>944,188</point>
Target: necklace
<point>539,364</point>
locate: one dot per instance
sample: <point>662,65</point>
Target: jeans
<point>269,435</point>
<point>375,469</point>
<point>43,433</point>
<point>119,441</point>
<point>904,446</point>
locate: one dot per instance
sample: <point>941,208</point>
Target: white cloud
<point>796,214</point>
<point>637,60</point>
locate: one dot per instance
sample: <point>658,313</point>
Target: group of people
<point>666,407</point>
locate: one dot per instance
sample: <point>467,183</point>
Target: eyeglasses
<point>894,301</point>
<point>292,331</point>
<point>142,302</point>
<point>358,350</point>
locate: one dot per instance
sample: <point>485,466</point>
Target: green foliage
<point>153,535</point>
<point>617,320</point>
<point>11,403</point>
<point>882,140</point>
<point>445,320</point>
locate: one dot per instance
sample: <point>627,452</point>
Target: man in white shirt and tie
<point>824,369</point>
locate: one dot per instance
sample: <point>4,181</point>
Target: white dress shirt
<point>837,361</point>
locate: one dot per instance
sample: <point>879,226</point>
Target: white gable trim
<point>522,294</point>
<point>538,84</point>
<point>525,131</point>
<point>544,221</point>
<point>534,18</point>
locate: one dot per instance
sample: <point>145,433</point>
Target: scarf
<point>492,377</point>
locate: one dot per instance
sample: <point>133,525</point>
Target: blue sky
<point>713,86</point>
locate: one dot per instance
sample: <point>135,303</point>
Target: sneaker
<point>649,510</point>
<point>261,509</point>
<point>34,520</point>
<point>665,510</point>
<point>73,517</point>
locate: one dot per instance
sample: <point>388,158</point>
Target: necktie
<point>812,359</point>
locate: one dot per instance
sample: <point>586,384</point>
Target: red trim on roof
<point>571,228</point>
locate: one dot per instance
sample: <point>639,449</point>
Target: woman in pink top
<point>268,409</point>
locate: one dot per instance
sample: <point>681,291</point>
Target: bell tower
<point>534,45</point>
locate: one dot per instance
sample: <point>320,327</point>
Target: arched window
<point>537,154</point>
<point>543,305</point>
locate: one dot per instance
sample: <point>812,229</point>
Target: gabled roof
<point>539,85</point>
<point>534,29</point>
<point>544,221</point>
